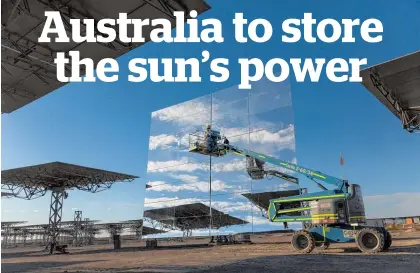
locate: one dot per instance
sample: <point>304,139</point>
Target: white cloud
<point>162,202</point>
<point>184,165</point>
<point>278,140</point>
<point>191,183</point>
<point>233,166</point>
<point>188,113</point>
<point>162,141</point>
<point>392,205</point>
<point>229,207</point>
<point>282,138</point>
<point>185,177</point>
<point>223,206</point>
<point>163,186</point>
<point>280,187</point>
<point>181,165</point>
<point>257,220</point>
<point>219,185</point>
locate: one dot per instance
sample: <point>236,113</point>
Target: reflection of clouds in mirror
<point>187,178</point>
<point>260,120</point>
<point>162,202</point>
<point>258,220</point>
<point>275,140</point>
<point>229,207</point>
<point>163,186</point>
<point>182,165</point>
<point>224,206</point>
<point>186,113</point>
<point>195,186</point>
<point>282,137</point>
<point>231,166</point>
<point>162,141</point>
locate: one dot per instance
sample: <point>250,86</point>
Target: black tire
<point>303,241</point>
<point>370,240</point>
<point>388,240</point>
<point>325,245</point>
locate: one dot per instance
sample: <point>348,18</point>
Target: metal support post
<point>56,210</point>
<point>139,233</point>
<point>24,237</point>
<point>86,232</point>
<point>44,237</point>
<point>112,232</point>
<point>78,235</point>
<point>6,236</point>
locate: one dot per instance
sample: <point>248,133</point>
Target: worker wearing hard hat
<point>208,139</point>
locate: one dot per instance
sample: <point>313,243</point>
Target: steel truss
<point>6,194</point>
<point>34,181</point>
<point>78,234</point>
<point>114,229</point>
<point>410,122</point>
<point>6,236</point>
<point>189,217</point>
<point>135,226</point>
<point>56,210</point>
<point>68,11</point>
<point>168,7</point>
<point>28,66</point>
<point>187,233</point>
<point>88,232</point>
<point>8,228</point>
<point>27,183</point>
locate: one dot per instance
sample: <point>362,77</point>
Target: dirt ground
<point>268,253</point>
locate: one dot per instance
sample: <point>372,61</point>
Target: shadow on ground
<point>140,248</point>
<point>42,253</point>
<point>32,266</point>
<point>404,239</point>
<point>308,263</point>
<point>323,263</point>
<point>398,259</point>
<point>412,249</point>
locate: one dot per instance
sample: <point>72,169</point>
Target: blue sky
<point>106,125</point>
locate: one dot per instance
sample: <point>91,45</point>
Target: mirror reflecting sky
<point>260,119</point>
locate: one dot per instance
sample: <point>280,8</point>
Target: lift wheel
<point>388,240</point>
<point>370,240</point>
<point>303,241</point>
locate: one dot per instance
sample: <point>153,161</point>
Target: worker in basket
<point>210,139</point>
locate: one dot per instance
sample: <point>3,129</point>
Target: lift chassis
<point>368,239</point>
<point>330,216</point>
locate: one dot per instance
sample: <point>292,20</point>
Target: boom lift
<point>334,215</point>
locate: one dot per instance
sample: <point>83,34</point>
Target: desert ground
<point>267,253</point>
